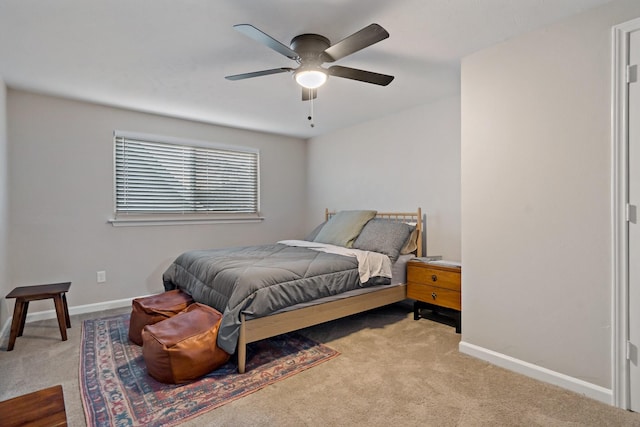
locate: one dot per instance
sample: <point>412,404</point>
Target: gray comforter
<point>258,280</point>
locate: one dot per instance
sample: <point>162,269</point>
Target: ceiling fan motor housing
<point>310,48</point>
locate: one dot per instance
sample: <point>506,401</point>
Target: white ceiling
<point>170,57</point>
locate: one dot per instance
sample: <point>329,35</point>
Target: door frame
<point>620,188</point>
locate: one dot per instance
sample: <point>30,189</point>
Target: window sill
<point>146,221</point>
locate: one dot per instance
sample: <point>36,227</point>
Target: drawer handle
<point>434,295</point>
<point>434,278</point>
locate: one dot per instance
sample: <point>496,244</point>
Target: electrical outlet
<point>102,276</point>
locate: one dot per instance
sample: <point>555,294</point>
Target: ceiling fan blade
<point>355,42</point>
<point>265,39</point>
<point>360,75</point>
<point>308,94</point>
<point>258,73</point>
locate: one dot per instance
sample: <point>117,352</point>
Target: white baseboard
<point>80,309</point>
<point>539,373</point>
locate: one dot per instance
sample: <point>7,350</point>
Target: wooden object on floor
<point>436,287</point>
<point>26,294</point>
<point>44,408</point>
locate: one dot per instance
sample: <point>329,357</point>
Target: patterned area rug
<point>117,391</point>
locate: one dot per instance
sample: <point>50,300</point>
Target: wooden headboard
<point>408,217</point>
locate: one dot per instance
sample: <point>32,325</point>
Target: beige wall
<point>5,286</point>
<point>536,197</point>
<point>61,181</point>
<point>399,162</point>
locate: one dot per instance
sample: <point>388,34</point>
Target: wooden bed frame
<point>252,330</point>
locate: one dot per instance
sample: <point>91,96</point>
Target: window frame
<point>164,218</point>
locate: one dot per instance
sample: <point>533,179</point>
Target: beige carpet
<point>392,371</point>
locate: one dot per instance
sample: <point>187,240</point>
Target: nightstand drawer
<point>435,277</point>
<point>434,295</point>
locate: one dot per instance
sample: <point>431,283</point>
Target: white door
<point>634,220</point>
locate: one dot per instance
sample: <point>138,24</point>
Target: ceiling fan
<point>310,51</point>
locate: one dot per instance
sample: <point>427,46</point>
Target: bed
<point>353,262</point>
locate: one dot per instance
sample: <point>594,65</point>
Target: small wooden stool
<point>25,294</point>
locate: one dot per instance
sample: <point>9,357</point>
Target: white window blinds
<point>158,175</point>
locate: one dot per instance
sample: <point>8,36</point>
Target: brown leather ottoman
<point>183,348</point>
<point>153,309</point>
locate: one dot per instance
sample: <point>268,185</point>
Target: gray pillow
<point>343,228</point>
<point>314,233</point>
<point>384,236</point>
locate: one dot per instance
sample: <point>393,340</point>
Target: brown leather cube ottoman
<point>155,308</point>
<point>184,347</point>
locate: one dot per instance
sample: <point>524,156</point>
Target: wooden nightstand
<point>435,287</point>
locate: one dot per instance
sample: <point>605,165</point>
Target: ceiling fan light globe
<point>311,79</point>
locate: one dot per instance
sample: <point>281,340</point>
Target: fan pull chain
<point>310,118</point>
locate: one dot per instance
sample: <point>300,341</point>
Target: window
<point>162,178</point>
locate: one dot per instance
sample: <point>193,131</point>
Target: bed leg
<point>242,347</point>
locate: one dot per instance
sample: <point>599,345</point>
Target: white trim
<point>619,226</point>
<point>139,222</point>
<point>539,373</point>
<point>80,309</point>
